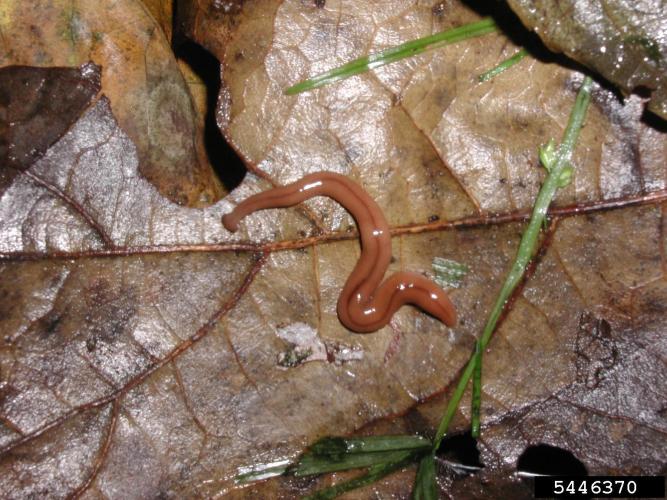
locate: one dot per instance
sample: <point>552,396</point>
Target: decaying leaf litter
<point>624,42</point>
<point>157,367</point>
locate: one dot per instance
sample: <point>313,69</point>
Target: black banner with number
<point>600,486</point>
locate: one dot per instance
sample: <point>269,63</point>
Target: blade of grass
<point>425,487</point>
<point>337,446</point>
<point>506,64</point>
<point>374,474</point>
<point>476,404</point>
<point>335,452</point>
<point>407,49</point>
<point>321,464</point>
<point>261,471</point>
<point>449,273</point>
<point>527,246</point>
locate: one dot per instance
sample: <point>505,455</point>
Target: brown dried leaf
<point>163,12</point>
<point>31,118</point>
<point>140,77</point>
<point>38,106</point>
<point>626,42</point>
<point>141,341</point>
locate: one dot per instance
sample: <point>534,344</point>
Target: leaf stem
<point>407,49</point>
<point>527,245</point>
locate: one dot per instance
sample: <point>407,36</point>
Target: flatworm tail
<point>364,305</point>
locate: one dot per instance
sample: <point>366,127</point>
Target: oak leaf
<point>141,341</point>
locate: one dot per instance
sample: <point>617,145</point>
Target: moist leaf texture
<point>626,42</point>
<point>140,77</point>
<point>140,344</point>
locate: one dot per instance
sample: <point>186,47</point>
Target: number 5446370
<point>582,487</point>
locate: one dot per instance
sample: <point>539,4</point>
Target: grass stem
<point>393,54</point>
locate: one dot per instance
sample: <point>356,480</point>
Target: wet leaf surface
<point>140,77</point>
<point>141,342</point>
<point>38,106</point>
<point>626,42</point>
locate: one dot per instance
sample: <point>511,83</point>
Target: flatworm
<point>365,304</point>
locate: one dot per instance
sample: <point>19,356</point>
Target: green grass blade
<point>476,405</point>
<point>261,471</point>
<point>374,474</point>
<point>407,49</point>
<point>527,245</point>
<point>322,464</point>
<point>333,454</point>
<point>425,487</point>
<point>506,64</point>
<point>449,273</point>
<point>337,446</point>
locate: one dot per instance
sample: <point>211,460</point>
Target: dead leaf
<point>624,42</point>
<point>140,352</point>
<point>38,106</point>
<point>163,12</point>
<point>140,77</point>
